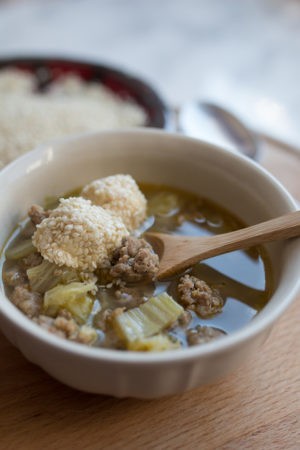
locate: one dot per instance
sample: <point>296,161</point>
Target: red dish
<point>121,83</point>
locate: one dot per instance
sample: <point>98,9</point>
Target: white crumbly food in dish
<point>28,118</point>
<point>79,235</point>
<point>12,80</point>
<point>121,196</point>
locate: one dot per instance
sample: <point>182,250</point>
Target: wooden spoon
<point>177,253</point>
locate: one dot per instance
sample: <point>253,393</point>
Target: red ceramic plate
<point>121,83</point>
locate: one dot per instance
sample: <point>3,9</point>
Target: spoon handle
<point>184,252</point>
<point>280,228</point>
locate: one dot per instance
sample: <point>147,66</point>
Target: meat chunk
<point>37,214</point>
<point>28,230</point>
<point>86,335</point>
<point>28,302</point>
<point>32,260</point>
<point>200,335</point>
<point>65,327</point>
<point>185,318</point>
<point>130,297</point>
<point>14,276</point>
<point>102,319</point>
<point>47,323</point>
<point>195,294</point>
<point>134,261</point>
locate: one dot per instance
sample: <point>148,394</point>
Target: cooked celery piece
<point>20,250</point>
<point>41,277</point>
<point>73,297</point>
<point>148,319</point>
<point>47,275</point>
<point>157,343</point>
<point>163,204</point>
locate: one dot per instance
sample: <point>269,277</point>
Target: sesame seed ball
<point>120,195</point>
<point>79,235</point>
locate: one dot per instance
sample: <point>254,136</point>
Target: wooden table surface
<point>257,407</point>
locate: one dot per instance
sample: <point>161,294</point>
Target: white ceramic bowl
<point>152,156</point>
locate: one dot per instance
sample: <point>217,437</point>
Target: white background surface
<point>244,54</point>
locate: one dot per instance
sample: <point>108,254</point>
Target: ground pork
<point>28,230</point>
<point>104,319</point>
<point>130,297</point>
<point>14,276</point>
<point>134,261</point>
<point>37,214</point>
<point>30,303</point>
<point>201,335</point>
<point>65,327</point>
<point>185,318</point>
<point>195,294</point>
<point>32,260</point>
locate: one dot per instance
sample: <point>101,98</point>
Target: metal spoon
<point>216,125</point>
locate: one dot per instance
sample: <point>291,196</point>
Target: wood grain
<point>257,407</point>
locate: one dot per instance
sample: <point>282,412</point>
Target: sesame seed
<point>121,196</point>
<point>57,242</point>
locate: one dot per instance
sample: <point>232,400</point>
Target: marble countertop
<point>241,54</point>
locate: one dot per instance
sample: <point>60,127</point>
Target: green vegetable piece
<point>148,319</point>
<point>163,204</point>
<point>72,297</point>
<point>20,250</point>
<point>157,343</point>
<point>47,275</point>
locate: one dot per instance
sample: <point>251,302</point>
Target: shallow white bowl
<point>151,156</point>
